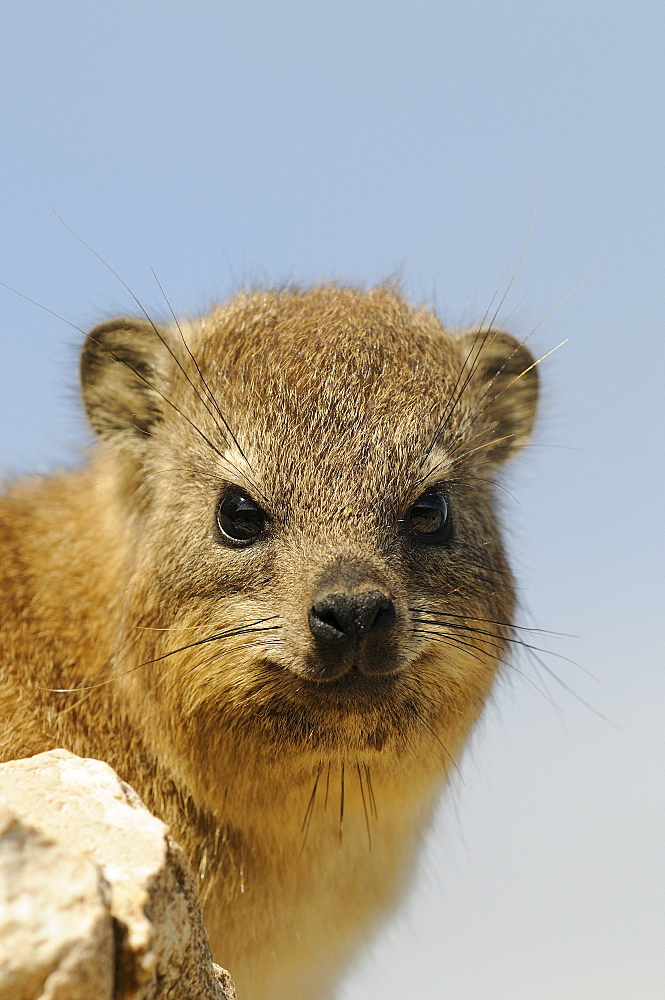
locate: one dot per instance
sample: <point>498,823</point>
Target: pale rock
<point>92,885</point>
<point>56,930</point>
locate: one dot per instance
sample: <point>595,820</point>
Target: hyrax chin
<point>274,601</point>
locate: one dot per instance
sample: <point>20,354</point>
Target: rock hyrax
<point>274,600</point>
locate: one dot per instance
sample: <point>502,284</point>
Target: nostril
<point>385,617</point>
<point>324,624</point>
<point>330,618</point>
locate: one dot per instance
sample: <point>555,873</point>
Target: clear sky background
<point>229,142</point>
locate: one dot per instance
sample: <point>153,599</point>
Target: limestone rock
<point>96,901</point>
<point>56,931</point>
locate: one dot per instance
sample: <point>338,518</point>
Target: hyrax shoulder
<point>275,599</point>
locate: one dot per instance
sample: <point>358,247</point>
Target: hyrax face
<point>307,480</point>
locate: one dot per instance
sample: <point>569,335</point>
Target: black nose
<point>339,615</point>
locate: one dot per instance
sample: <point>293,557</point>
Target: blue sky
<point>222,143</point>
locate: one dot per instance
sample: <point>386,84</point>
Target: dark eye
<point>239,519</point>
<point>429,520</point>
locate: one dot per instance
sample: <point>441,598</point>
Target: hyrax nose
<point>339,616</point>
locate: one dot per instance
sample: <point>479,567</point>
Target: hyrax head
<point>306,481</point>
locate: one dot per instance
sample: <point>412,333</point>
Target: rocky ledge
<point>97,902</point>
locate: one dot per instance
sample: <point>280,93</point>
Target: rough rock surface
<point>56,931</point>
<point>96,901</point>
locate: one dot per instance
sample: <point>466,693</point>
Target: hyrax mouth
<point>356,669</point>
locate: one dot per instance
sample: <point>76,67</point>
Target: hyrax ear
<point>124,374</point>
<point>504,373</point>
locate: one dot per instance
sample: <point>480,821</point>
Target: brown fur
<point>301,802</point>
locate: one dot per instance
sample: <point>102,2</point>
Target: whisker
<point>491,621</point>
<point>168,347</point>
<point>543,692</point>
<point>530,649</point>
<point>45,309</point>
<point>492,482</point>
<point>181,649</point>
<point>219,655</point>
<point>453,641</point>
<point>173,628</point>
<point>372,800</point>
<point>564,298</point>
<point>473,631</point>
<point>461,635</point>
<point>325,801</point>
<point>207,388</point>
<point>214,475</point>
<point>189,468</point>
<point>157,332</point>
<point>455,396</point>
<point>427,726</point>
<point>362,795</point>
<point>307,819</point>
<point>182,468</point>
<point>230,634</point>
<point>572,691</point>
<point>475,414</point>
<point>75,704</point>
<point>503,299</point>
<point>119,360</point>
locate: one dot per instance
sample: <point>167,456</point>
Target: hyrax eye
<point>429,520</point>
<point>240,520</point>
